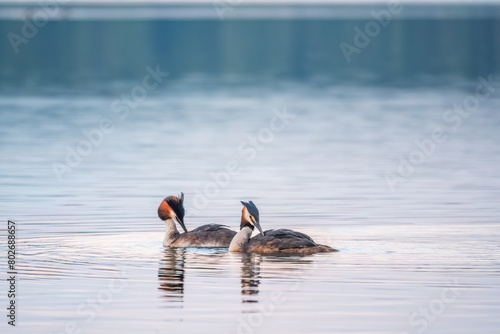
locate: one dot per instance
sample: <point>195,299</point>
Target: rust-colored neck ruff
<point>244,218</point>
<point>171,206</point>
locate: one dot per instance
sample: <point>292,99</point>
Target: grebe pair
<point>282,241</point>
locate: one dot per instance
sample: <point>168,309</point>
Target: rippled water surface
<point>418,240</point>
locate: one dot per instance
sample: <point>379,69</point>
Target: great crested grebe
<point>282,241</point>
<point>171,210</point>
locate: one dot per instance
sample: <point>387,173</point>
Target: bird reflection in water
<point>172,267</point>
<point>171,274</point>
<point>291,270</point>
<point>250,274</point>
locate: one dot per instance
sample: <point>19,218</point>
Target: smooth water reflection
<point>171,274</point>
<point>250,271</point>
<point>172,271</point>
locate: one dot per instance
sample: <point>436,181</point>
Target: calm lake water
<point>418,240</point>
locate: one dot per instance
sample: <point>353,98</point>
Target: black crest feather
<point>252,209</point>
<point>177,204</point>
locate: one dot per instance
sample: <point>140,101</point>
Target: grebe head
<point>172,207</point>
<point>250,215</point>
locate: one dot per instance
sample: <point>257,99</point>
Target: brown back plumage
<point>285,242</point>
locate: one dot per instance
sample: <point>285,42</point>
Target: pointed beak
<point>256,224</point>
<point>181,223</point>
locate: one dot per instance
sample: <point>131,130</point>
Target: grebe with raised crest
<point>280,242</point>
<point>171,210</point>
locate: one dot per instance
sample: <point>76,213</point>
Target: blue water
<point>418,256</point>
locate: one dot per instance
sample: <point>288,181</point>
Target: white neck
<point>171,233</point>
<point>240,240</point>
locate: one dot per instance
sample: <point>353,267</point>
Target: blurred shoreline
<point>240,10</point>
<point>391,44</point>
